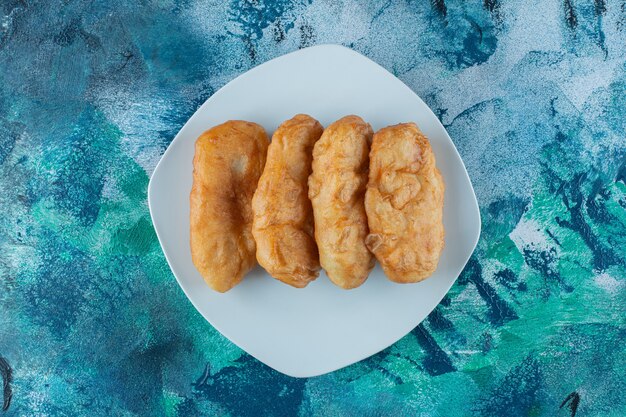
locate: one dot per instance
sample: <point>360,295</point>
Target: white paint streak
<point>529,233</point>
<point>608,283</point>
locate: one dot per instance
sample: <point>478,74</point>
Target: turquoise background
<point>92,321</point>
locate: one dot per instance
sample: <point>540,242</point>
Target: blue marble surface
<point>533,94</point>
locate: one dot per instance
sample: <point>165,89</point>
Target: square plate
<point>321,328</point>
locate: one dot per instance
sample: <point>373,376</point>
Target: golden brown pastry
<point>283,216</point>
<point>404,203</point>
<point>337,189</point>
<point>227,165</point>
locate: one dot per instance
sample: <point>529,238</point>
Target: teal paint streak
<point>92,321</point>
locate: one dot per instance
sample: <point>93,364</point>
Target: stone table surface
<point>92,322</point>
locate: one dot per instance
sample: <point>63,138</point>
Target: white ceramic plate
<point>312,331</point>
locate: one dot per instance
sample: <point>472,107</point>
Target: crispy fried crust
<point>228,162</point>
<point>336,189</point>
<point>283,216</point>
<point>404,203</point>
